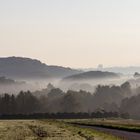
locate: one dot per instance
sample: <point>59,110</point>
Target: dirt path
<point>118,133</point>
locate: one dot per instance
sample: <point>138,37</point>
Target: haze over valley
<point>69,70</point>
<point>32,74</point>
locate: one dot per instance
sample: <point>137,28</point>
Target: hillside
<point>19,67</point>
<point>124,70</point>
<point>91,75</point>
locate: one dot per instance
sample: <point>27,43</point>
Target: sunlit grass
<point>34,130</point>
<point>49,130</point>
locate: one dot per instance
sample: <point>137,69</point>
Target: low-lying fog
<point>87,85</point>
<point>90,85</point>
<point>111,95</point>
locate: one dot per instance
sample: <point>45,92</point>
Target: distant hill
<point>124,70</point>
<point>19,67</point>
<point>91,75</point>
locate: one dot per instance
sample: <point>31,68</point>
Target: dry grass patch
<point>34,130</point>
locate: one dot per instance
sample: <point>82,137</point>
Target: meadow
<point>48,130</point>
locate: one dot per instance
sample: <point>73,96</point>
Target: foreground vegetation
<point>34,130</point>
<point>47,130</point>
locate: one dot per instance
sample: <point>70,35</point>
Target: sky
<point>72,33</point>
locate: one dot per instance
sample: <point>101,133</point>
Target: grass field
<point>34,130</point>
<point>47,130</point>
<point>121,124</point>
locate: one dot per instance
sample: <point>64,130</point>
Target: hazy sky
<point>75,33</point>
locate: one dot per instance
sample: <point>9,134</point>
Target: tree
<point>70,103</point>
<point>126,89</point>
<point>27,103</point>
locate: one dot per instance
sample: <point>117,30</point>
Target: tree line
<point>106,101</point>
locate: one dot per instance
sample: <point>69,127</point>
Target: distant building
<point>136,75</point>
<point>100,67</point>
